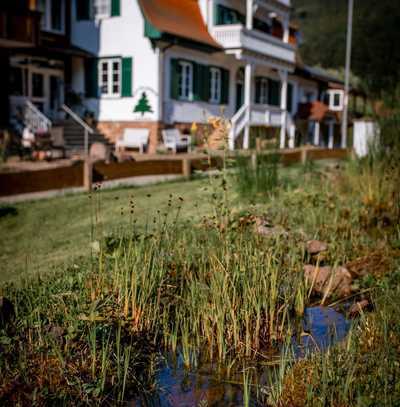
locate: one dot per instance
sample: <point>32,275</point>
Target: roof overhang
<point>178,22</point>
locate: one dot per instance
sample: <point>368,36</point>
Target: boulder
<point>328,281</point>
<point>315,247</point>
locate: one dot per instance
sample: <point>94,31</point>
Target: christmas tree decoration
<point>143,106</point>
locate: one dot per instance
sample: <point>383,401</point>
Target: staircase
<point>260,115</point>
<point>74,137</point>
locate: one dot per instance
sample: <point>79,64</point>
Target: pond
<point>210,385</point>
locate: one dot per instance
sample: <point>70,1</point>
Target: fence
<point>83,175</point>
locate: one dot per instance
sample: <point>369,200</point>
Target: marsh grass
<point>212,289</point>
<point>256,176</point>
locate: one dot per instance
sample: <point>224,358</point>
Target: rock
<point>265,228</point>
<point>99,152</point>
<point>7,312</point>
<point>315,246</point>
<point>358,307</point>
<point>327,280</point>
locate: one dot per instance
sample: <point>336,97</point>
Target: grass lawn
<point>204,283</point>
<point>46,234</point>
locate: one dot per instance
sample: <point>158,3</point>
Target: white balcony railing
<point>237,37</point>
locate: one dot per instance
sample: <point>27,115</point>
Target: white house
<point>159,63</point>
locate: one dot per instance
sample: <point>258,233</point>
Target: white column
<point>331,132</point>
<point>248,73</point>
<point>284,86</point>
<point>286,30</point>
<point>249,14</point>
<point>317,130</point>
<point>292,135</point>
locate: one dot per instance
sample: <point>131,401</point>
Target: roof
<point>181,18</point>
<point>318,74</point>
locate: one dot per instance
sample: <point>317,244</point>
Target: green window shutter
<point>115,8</point>
<point>91,78</point>
<point>174,79</point>
<point>274,97</point>
<point>126,90</point>
<point>83,9</point>
<point>289,97</point>
<point>225,86</point>
<point>258,90</point>
<point>201,82</point>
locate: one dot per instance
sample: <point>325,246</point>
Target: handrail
<point>234,133</point>
<point>37,112</point>
<point>77,118</point>
<point>86,127</point>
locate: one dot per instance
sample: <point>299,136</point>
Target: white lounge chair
<point>133,138</point>
<point>174,140</point>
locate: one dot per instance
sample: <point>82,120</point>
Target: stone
<point>99,152</point>
<point>265,228</point>
<point>314,247</point>
<point>358,307</point>
<point>328,281</point>
<point>7,312</point>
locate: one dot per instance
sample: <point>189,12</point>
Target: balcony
<point>234,38</point>
<point>18,31</point>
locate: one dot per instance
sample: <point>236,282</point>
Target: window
<point>16,81</point>
<point>226,15</point>
<point>37,85</point>
<point>215,85</point>
<point>336,100</point>
<point>262,91</point>
<point>102,8</point>
<point>53,15</point>
<point>110,77</point>
<point>106,8</point>
<point>185,80</point>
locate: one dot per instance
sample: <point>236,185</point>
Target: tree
<point>376,39</point>
<point>143,106</point>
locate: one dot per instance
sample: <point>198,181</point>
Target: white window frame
<point>46,22</point>
<point>215,85</point>
<point>333,93</point>
<point>106,9</point>
<point>110,82</point>
<point>263,83</point>
<point>185,82</point>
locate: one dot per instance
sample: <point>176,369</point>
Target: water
<point>209,386</point>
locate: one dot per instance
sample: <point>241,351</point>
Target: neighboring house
<point>165,63</point>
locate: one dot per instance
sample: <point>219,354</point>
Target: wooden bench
<point>173,140</point>
<point>133,138</point>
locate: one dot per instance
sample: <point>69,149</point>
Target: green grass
<point>183,272</point>
<point>46,234</point>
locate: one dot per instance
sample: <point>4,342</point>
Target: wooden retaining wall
<point>41,180</point>
<point>73,176</point>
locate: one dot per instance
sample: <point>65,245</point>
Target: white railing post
<point>284,85</point>
<point>249,14</point>
<point>331,133</point>
<point>247,101</point>
<point>317,129</point>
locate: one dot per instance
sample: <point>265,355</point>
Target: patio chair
<point>133,138</point>
<point>174,140</point>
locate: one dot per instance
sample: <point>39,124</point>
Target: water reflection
<point>209,386</point>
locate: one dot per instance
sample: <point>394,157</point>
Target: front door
<point>46,90</point>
